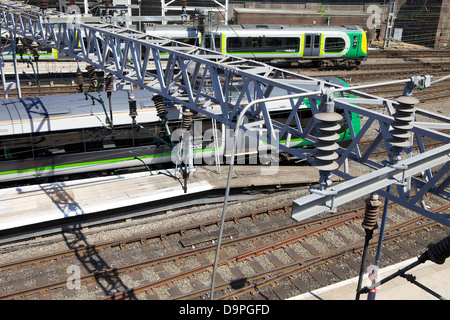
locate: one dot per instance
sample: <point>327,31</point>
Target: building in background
<point>422,22</point>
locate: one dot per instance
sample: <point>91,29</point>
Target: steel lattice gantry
<point>197,78</point>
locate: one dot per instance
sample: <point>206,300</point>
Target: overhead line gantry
<point>179,73</point>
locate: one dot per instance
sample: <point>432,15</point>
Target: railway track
<point>411,54</point>
<point>359,77</point>
<point>177,262</point>
<point>432,93</point>
<point>412,64</point>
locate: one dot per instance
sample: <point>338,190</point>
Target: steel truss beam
<point>184,75</point>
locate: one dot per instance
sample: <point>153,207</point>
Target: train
<point>62,137</point>
<point>26,50</point>
<point>323,45</point>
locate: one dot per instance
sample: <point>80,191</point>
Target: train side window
<point>208,43</point>
<point>249,44</point>
<point>355,42</point>
<point>53,143</point>
<point>334,44</point>
<point>97,139</point>
<point>274,43</point>
<point>191,41</point>
<point>308,41</point>
<point>19,147</point>
<point>218,41</point>
<point>123,137</point>
<point>316,41</point>
<point>282,44</point>
<point>234,44</point>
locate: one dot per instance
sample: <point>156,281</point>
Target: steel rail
<point>351,215</point>
<point>272,275</point>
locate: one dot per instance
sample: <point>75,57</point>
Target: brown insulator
<point>325,155</point>
<point>109,83</point>
<point>183,3</point>
<point>440,251</point>
<point>91,73</point>
<point>43,4</point>
<point>19,48</point>
<point>92,76</point>
<point>72,2</point>
<point>107,3</point>
<point>80,79</point>
<point>133,108</point>
<point>371,214</point>
<point>160,107</point>
<point>187,120</point>
<point>35,51</point>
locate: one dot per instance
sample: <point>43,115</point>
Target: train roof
<point>305,28</point>
<point>74,111</point>
<point>177,30</point>
<point>52,113</point>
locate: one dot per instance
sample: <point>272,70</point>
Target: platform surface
<point>434,276</point>
<point>28,205</point>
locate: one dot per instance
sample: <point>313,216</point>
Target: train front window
<point>334,44</point>
<point>355,42</point>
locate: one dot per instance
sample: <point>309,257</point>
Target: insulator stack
<point>72,3</point>
<point>107,3</point>
<point>187,120</point>
<point>371,214</point>
<point>80,79</point>
<point>43,4</point>
<point>109,83</point>
<point>133,108</point>
<point>19,47</point>
<point>35,50</point>
<point>326,146</point>
<point>92,75</point>
<point>404,115</point>
<point>440,251</point>
<point>183,3</point>
<point>160,107</point>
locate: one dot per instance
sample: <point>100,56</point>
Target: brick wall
<point>443,29</point>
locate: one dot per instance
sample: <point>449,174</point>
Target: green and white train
<point>52,136</point>
<point>326,45</point>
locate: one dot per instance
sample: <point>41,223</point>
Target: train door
<point>213,41</point>
<point>311,45</point>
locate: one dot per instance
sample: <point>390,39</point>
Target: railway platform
<point>33,204</point>
<point>433,276</point>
